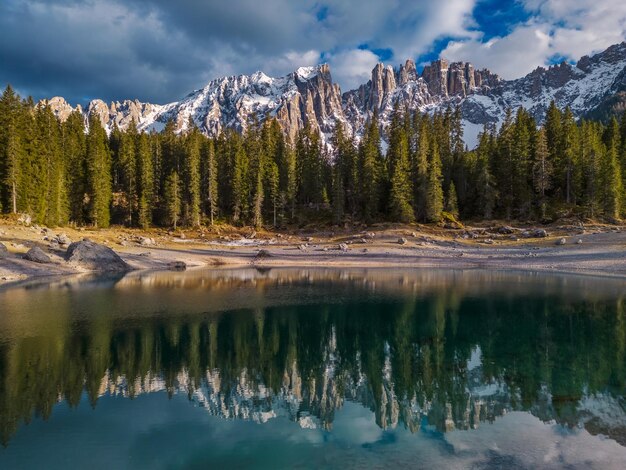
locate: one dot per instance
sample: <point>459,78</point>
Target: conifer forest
<point>72,173</point>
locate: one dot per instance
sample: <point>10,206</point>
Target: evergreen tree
<point>210,180</point>
<point>401,192</point>
<point>542,171</point>
<point>371,171</point>
<point>173,200</point>
<point>191,162</point>
<point>434,193</point>
<point>452,204</point>
<point>98,175</point>
<point>145,180</point>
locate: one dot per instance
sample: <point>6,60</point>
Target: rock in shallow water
<point>94,257</point>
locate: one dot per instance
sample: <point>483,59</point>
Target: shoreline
<point>600,251</point>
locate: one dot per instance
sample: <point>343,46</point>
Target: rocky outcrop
<point>37,255</point>
<point>309,96</point>
<point>90,256</point>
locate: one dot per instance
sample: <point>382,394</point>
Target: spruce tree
<point>210,180</point>
<point>452,204</point>
<point>191,164</point>
<point>98,161</point>
<point>434,192</point>
<point>173,200</point>
<point>401,192</point>
<point>542,171</point>
<point>145,181</point>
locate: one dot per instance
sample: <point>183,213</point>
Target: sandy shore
<point>597,249</point>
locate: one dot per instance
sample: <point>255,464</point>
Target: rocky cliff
<point>595,86</point>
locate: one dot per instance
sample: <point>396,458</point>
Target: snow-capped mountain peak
<point>594,86</point>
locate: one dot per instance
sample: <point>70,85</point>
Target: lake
<point>314,368</point>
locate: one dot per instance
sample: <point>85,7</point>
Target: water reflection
<point>446,349</point>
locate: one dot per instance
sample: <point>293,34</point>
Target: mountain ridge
<point>594,86</point>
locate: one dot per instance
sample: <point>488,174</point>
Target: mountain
<point>594,87</point>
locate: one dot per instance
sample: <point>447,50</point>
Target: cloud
<point>511,56</point>
<point>556,28</point>
<point>352,68</point>
<point>159,50</point>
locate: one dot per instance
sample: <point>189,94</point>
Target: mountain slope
<point>595,86</point>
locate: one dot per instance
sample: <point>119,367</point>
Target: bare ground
<point>591,249</point>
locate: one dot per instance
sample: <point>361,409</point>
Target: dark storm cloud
<point>159,50</point>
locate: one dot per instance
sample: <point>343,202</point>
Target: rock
<point>263,254</point>
<point>3,250</point>
<point>579,241</point>
<point>401,241</point>
<point>63,239</point>
<point>37,255</point>
<point>370,235</point>
<point>488,241</point>
<point>302,247</point>
<point>536,233</point>
<point>177,266</point>
<point>343,247</point>
<point>146,241</point>
<point>182,236</point>
<point>506,230</point>
<point>25,219</point>
<point>94,257</point>
<point>561,241</point>
<point>252,235</point>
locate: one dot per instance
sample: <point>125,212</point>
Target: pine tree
<point>192,198</point>
<point>74,148</point>
<point>98,175</point>
<point>434,193</point>
<point>452,204</point>
<point>173,198</point>
<point>371,171</point>
<point>210,185</point>
<point>611,172</point>
<point>485,182</point>
<point>401,190</point>
<point>11,149</point>
<point>542,171</point>
<point>145,180</point>
<point>126,164</point>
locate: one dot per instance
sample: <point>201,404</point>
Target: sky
<point>160,50</point>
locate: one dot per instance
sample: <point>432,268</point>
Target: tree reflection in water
<point>439,348</point>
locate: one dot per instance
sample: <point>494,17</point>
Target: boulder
<point>146,241</point>
<point>561,241</point>
<point>25,219</point>
<point>3,250</point>
<point>177,266</point>
<point>37,255</point>
<point>402,241</point>
<point>94,257</point>
<point>343,247</point>
<point>263,254</point>
<point>63,239</point>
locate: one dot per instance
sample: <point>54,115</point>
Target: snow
<point>306,73</point>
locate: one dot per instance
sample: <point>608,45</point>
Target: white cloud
<point>511,57</point>
<point>352,68</point>
<point>569,28</point>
